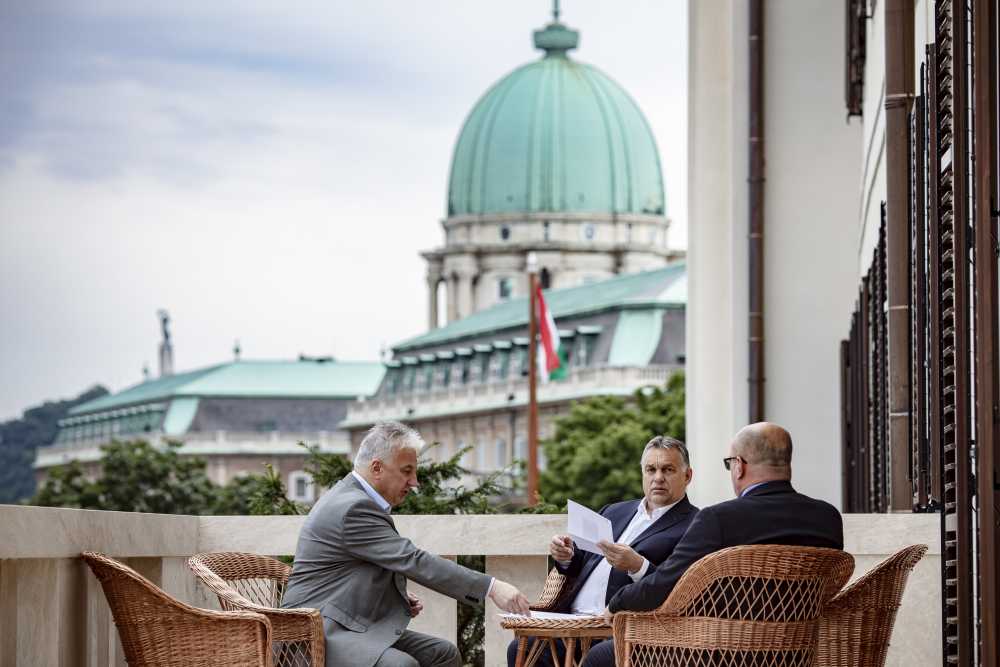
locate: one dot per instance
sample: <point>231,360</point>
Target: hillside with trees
<point>19,438</point>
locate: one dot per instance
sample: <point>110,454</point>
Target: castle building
<point>237,416</point>
<point>556,159</point>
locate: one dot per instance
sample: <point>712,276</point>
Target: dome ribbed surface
<point>555,136</point>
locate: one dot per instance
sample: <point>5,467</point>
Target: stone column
<point>466,299</point>
<point>716,261</point>
<point>452,284</point>
<point>433,278</point>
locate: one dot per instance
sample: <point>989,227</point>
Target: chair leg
<point>570,644</point>
<point>535,652</point>
<point>522,644</point>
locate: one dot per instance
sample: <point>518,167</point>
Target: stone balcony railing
<point>493,395</point>
<point>53,611</point>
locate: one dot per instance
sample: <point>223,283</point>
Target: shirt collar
<point>751,488</point>
<point>372,493</point>
<point>657,513</point>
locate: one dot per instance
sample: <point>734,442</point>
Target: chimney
<point>166,349</point>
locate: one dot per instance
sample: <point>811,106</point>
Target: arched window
<point>545,278</point>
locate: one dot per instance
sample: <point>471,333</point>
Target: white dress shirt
<point>591,597</point>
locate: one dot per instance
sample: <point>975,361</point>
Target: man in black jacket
<point>645,532</point>
<point>766,510</point>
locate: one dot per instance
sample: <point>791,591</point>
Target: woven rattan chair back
<point>856,625</point>
<point>256,583</point>
<point>552,591</point>
<point>750,605</point>
<point>157,630</point>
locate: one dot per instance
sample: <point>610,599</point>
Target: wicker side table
<point>577,632</point>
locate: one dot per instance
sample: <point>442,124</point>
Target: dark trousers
<point>544,660</point>
<point>601,655</point>
<point>415,649</point>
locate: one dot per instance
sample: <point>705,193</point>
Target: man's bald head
<point>766,444</point>
<point>760,452</point>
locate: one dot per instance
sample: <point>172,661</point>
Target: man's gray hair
<point>666,442</point>
<point>383,440</point>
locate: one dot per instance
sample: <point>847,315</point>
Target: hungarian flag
<point>551,354</point>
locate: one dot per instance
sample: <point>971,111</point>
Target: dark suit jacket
<point>654,544</point>
<point>772,513</point>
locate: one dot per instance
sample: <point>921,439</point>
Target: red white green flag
<point>551,354</point>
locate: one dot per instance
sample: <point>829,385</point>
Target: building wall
<point>873,183</point>
<point>446,436</point>
<point>811,198</point>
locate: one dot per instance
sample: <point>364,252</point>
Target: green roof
<point>658,289</point>
<point>556,135</point>
<point>253,379</point>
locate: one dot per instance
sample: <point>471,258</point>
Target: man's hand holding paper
<point>587,527</point>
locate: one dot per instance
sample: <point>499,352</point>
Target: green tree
<point>255,494</point>
<point>593,457</point>
<point>135,477</point>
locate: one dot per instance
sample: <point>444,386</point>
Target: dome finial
<point>556,39</point>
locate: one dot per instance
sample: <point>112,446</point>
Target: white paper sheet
<point>587,527</point>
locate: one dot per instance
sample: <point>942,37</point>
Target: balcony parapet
<point>53,611</point>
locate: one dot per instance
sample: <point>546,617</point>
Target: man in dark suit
<point>645,533</point>
<point>767,510</point>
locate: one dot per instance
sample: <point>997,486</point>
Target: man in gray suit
<point>352,564</point>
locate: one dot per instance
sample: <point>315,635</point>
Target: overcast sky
<point>266,171</point>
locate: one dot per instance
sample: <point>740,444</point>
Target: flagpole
<point>532,380</point>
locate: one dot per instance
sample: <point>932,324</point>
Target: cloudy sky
<point>267,171</point>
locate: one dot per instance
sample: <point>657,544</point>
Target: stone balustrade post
<point>528,574</point>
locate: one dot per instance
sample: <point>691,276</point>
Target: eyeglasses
<point>727,462</point>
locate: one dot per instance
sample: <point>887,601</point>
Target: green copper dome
<point>555,135</point>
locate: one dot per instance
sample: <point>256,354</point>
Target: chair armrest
<point>203,636</point>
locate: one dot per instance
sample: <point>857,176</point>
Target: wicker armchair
<point>857,624</point>
<point>749,605</point>
<point>158,631</point>
<point>249,582</point>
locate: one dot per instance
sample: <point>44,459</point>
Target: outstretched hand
<point>509,599</point>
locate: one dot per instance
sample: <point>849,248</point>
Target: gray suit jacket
<point>352,565</point>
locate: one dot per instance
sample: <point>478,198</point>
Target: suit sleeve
<point>703,536</point>
<point>370,536</point>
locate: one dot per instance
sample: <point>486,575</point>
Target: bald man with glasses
<point>766,510</point>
